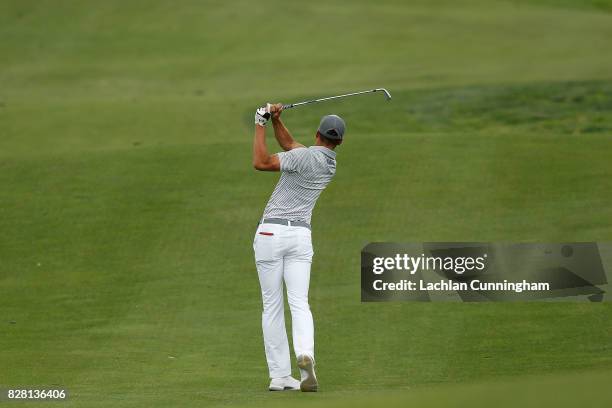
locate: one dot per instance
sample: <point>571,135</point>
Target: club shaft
<point>292,105</point>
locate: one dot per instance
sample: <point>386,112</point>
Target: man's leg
<point>297,279</point>
<point>270,271</point>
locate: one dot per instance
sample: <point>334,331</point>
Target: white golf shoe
<point>287,383</point>
<point>309,379</point>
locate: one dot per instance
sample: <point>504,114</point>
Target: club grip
<point>287,106</point>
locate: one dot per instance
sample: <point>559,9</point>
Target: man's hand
<point>262,115</point>
<point>276,110</point>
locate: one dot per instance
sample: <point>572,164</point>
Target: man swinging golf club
<point>282,244</point>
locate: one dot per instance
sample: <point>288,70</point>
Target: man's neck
<point>321,144</point>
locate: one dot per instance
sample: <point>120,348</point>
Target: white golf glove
<point>262,115</point>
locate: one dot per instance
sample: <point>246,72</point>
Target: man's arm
<point>283,137</point>
<point>262,160</point>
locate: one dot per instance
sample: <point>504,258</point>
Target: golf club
<point>293,105</point>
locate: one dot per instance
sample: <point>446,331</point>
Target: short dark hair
<point>333,142</point>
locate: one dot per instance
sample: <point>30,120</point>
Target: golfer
<point>282,244</point>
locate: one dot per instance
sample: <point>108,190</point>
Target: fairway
<point>128,200</point>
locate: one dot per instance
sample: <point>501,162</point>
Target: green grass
<point>128,201</point>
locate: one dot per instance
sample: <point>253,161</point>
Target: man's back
<point>305,173</point>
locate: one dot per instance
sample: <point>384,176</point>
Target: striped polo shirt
<point>305,172</point>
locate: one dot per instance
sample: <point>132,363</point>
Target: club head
<point>387,94</point>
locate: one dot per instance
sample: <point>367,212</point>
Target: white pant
<point>286,255</point>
